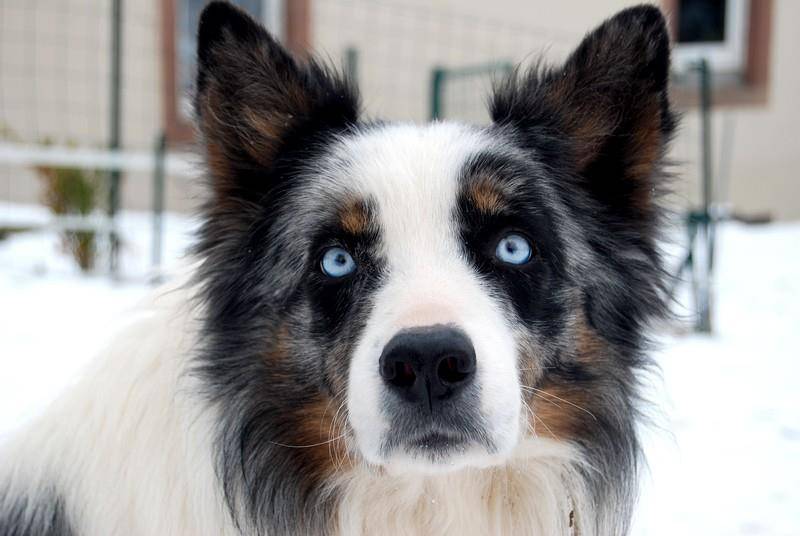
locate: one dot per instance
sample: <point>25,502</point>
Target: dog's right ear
<point>254,100</point>
<point>608,105</point>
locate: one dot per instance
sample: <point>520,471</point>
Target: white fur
<point>537,492</point>
<point>129,446</point>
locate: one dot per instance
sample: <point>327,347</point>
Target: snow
<point>53,319</point>
<point>731,401</point>
<point>724,449</point>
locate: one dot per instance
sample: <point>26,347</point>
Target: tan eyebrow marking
<point>486,196</point>
<point>354,216</point>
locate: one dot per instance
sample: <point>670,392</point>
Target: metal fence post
<point>707,225</point>
<point>159,158</point>
<point>440,76</point>
<point>437,85</point>
<point>114,132</point>
<point>351,65</point>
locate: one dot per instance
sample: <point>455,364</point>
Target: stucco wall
<point>54,81</point>
<point>54,85</point>
<point>398,43</point>
<point>761,172</point>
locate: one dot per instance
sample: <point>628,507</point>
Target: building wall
<point>761,173</point>
<point>54,72</point>
<point>399,43</point>
<point>55,86</point>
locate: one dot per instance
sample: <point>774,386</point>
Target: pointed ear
<point>607,107</point>
<point>255,101</point>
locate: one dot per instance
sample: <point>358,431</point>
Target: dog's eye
<point>337,262</point>
<point>513,249</point>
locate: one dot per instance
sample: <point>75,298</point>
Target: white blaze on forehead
<point>412,176</point>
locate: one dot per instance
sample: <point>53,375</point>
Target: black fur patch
<point>27,515</point>
<point>534,289</point>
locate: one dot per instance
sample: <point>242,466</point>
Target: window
<point>188,16</point>
<point>734,36</point>
<point>180,26</point>
<point>711,29</point>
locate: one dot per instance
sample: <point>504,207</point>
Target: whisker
<point>340,422</point>
<point>529,410</point>
<point>310,445</point>
<point>346,458</point>
<point>338,461</point>
<point>549,401</point>
<point>322,420</point>
<point>327,407</point>
<point>546,427</point>
<point>332,454</point>
<point>536,418</point>
<point>545,393</point>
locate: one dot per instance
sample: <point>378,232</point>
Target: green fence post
<point>437,85</point>
<point>159,157</point>
<point>351,65</point>
<point>707,227</point>
<point>115,125</point>
<point>439,77</point>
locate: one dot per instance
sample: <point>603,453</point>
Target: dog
<point>390,328</point>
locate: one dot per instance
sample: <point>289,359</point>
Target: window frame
<point>727,56</point>
<point>747,87</point>
<point>288,20</point>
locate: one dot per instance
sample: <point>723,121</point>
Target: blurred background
<point>99,177</point>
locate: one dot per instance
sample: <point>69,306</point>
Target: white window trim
<point>728,56</point>
<point>274,17</point>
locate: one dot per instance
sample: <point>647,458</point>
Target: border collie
<point>392,328</point>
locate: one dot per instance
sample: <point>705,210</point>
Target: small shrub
<point>69,191</point>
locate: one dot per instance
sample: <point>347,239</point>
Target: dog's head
<point>437,295</point>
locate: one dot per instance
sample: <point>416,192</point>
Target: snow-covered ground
<point>725,454</point>
<point>731,401</point>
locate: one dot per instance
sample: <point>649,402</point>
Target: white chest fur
<point>538,493</point>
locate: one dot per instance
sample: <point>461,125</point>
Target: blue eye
<point>514,249</point>
<point>337,262</point>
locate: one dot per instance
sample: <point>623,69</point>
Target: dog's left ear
<point>606,108</point>
<point>255,101</point>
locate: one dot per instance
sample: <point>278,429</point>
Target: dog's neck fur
<point>538,492</point>
<point>160,461</point>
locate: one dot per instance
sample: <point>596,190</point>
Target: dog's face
<point>434,271</point>
<point>434,296</point>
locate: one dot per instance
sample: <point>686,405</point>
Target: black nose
<point>429,364</point>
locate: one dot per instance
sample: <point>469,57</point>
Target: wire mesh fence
<point>57,67</point>
<point>399,46</point>
<point>60,114</point>
<point>461,93</point>
<point>56,61</point>
<point>56,71</point>
<point>413,61</point>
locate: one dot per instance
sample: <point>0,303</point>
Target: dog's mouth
<point>437,443</point>
<point>436,446</point>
